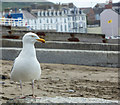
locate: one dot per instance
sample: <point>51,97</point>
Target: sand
<point>64,80</point>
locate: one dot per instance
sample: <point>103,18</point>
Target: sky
<point>83,3</point>
<point>78,3</point>
<point>24,0</point>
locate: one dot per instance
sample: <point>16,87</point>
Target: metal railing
<point>12,22</point>
<point>24,23</point>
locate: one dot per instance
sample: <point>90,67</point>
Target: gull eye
<point>33,36</point>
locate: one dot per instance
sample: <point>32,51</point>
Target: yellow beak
<point>41,40</point>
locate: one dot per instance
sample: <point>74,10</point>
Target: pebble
<point>2,82</point>
<point>71,91</point>
<point>3,77</point>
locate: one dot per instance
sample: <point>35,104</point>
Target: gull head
<point>32,38</point>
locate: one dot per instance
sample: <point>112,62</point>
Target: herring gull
<point>26,67</point>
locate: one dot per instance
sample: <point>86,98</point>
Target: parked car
<point>113,37</point>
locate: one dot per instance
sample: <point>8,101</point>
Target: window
<point>48,13</point>
<point>76,12</point>
<point>69,18</point>
<point>60,13</point>
<point>51,21</point>
<point>79,18</point>
<point>40,13</point>
<point>74,18</point>
<point>65,20</point>
<point>64,11</point>
<point>40,20</point>
<point>97,16</point>
<point>28,22</point>
<point>56,27</point>
<point>77,25</point>
<point>79,11</point>
<point>72,12</point>
<point>61,28</point>
<point>69,25</point>
<point>35,14</point>
<point>56,13</point>
<point>52,13</point>
<point>35,21</point>
<point>83,18</point>
<point>47,21</point>
<point>43,13</point>
<point>65,28</point>
<point>83,24</point>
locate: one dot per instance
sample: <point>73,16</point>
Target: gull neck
<point>28,50</point>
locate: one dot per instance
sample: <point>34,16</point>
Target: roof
<point>14,15</point>
<point>113,11</point>
<point>27,15</point>
<point>116,4</point>
<point>118,12</point>
<point>98,11</point>
<point>86,10</point>
<point>100,5</point>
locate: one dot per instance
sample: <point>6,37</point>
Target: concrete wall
<point>79,57</point>
<point>93,38</point>
<point>63,45</point>
<point>8,30</point>
<point>56,36</point>
<point>95,30</point>
<point>114,41</point>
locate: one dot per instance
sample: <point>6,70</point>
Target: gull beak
<point>41,40</point>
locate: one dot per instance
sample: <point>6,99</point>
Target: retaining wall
<point>83,37</point>
<point>54,36</point>
<point>79,57</point>
<point>64,45</point>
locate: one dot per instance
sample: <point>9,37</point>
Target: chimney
<point>109,5</point>
<point>110,1</point>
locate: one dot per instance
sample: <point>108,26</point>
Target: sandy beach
<point>64,80</point>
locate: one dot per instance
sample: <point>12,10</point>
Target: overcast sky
<point>24,0</point>
<point>82,3</point>
<point>78,3</point>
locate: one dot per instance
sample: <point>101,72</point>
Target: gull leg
<point>33,88</point>
<point>22,97</point>
<point>33,91</point>
<point>21,90</point>
<point>21,87</point>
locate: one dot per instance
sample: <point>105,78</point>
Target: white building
<point>64,20</point>
<point>110,22</point>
